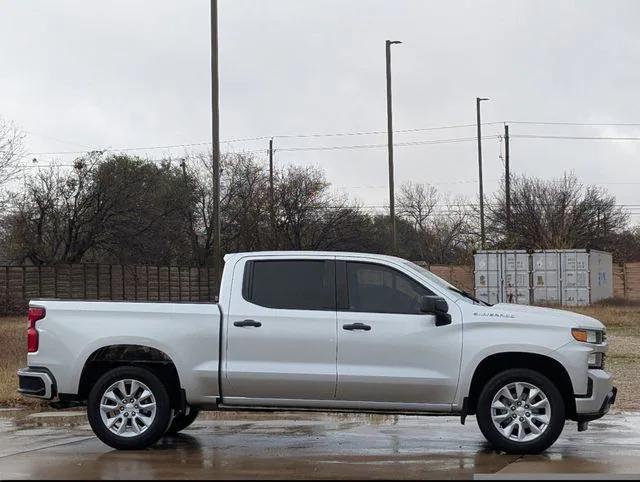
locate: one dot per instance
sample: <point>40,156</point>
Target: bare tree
<point>442,229</point>
<point>12,152</point>
<point>416,203</point>
<point>119,207</point>
<point>556,214</point>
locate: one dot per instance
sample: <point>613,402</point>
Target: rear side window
<point>291,284</point>
<point>375,288</point>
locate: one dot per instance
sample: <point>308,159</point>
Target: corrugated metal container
<point>546,277</point>
<point>572,277</point>
<point>502,276</point>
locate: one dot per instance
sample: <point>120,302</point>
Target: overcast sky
<point>136,73</point>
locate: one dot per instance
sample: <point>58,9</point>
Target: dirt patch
<point>623,360</point>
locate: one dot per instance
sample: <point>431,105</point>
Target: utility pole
<point>392,207</point>
<point>482,234</point>
<point>507,179</point>
<point>271,196</point>
<point>215,138</point>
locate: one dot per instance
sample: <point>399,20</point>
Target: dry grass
<point>13,355</point>
<point>619,319</point>
<point>623,327</point>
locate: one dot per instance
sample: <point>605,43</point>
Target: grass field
<point>623,328</point>
<point>13,355</point>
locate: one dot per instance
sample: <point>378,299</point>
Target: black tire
<point>180,422</point>
<point>500,441</point>
<point>154,431</point>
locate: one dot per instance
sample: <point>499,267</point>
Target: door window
<point>375,288</point>
<point>291,284</point>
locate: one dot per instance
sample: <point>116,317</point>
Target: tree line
<point>122,209</point>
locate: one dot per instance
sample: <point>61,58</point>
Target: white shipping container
<point>572,277</point>
<point>502,276</point>
<point>546,277</point>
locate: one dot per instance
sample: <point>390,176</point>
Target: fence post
<point>24,284</point>
<point>6,286</point>
<point>624,280</point>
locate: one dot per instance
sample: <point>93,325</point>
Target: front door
<point>388,351</point>
<point>281,332</point>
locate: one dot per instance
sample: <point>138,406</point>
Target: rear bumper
<point>36,383</point>
<point>600,396</point>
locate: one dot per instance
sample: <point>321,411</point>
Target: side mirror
<point>438,306</point>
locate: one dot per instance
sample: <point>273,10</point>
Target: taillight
<point>36,313</point>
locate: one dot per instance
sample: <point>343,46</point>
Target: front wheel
<point>129,408</point>
<point>521,411</point>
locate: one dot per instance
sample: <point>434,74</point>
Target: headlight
<point>596,360</point>
<point>588,336</point>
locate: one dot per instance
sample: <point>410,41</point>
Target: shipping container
<point>571,277</point>
<point>503,276</point>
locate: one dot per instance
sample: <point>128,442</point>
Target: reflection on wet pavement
<point>305,445</point>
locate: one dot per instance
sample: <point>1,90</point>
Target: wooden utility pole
<point>215,150</point>
<point>392,207</point>
<point>507,178</point>
<point>272,211</point>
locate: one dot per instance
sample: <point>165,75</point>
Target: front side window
<point>375,288</point>
<point>291,284</point>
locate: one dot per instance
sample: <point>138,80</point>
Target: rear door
<point>388,351</point>
<point>281,332</point>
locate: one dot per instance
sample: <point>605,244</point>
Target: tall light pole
<point>482,234</point>
<point>392,207</point>
<point>215,138</point>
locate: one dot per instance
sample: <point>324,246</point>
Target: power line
<point>257,138</point>
<point>376,146</point>
<point>578,124</point>
<point>595,138</point>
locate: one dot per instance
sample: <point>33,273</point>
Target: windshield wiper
<point>469,296</point>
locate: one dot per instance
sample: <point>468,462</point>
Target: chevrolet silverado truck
<point>320,331</point>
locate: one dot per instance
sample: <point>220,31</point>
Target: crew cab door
<point>281,332</point>
<point>389,353</point>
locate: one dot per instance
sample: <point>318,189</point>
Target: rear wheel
<point>129,408</point>
<point>521,411</point>
<point>180,422</point>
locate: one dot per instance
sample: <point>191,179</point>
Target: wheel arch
<point>113,356</point>
<point>499,362</point>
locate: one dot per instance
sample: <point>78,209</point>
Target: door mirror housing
<point>435,305</point>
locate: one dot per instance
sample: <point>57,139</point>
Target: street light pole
<point>482,233</point>
<point>392,210</point>
<point>215,138</point>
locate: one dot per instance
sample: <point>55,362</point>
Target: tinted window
<point>378,289</point>
<point>294,284</point>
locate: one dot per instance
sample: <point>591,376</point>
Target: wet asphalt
<point>228,445</point>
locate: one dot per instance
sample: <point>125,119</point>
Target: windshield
<point>444,284</point>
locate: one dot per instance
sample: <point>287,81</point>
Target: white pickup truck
<point>320,331</point>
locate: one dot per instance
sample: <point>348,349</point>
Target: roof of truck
<point>312,253</point>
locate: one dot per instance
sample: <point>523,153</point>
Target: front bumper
<point>36,383</point>
<point>601,395</point>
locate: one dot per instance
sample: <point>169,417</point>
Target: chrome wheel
<point>521,411</point>
<point>128,408</point>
